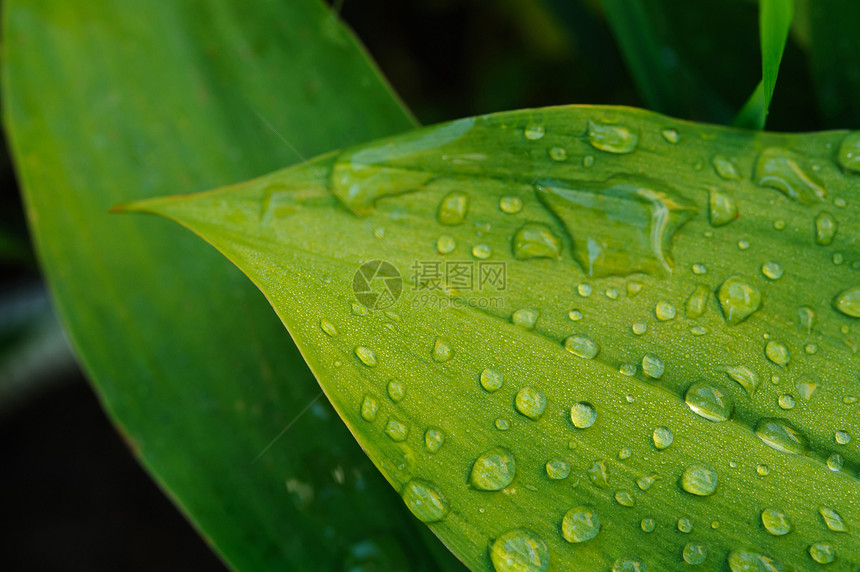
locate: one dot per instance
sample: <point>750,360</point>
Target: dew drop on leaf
<point>664,311</point>
<point>639,328</point>
<point>582,346</point>
<point>520,550</point>
<point>772,270</point>
<point>842,437</point>
<point>822,552</point>
<point>530,402</point>
<point>442,350</point>
<point>671,135</point>
<point>782,436</point>
<point>598,472</point>
<point>746,378</point>
<point>848,302</point>
<point>366,355</point>
<point>534,132</point>
<point>493,470</point>
<point>645,483</point>
<point>612,138</point>
<point>786,401</point>
<point>580,524</point>
<point>825,229</point>
<point>725,167</point>
<point>535,240</point>
<point>425,501</point>
<point>709,401</point>
<point>777,353</point>
<point>369,408</point>
<point>624,498</point>
<point>662,437</point>
<point>833,519</point>
<point>849,152</point>
<point>396,430</point>
<point>525,318</point>
<point>647,525</point>
<point>583,415</point>
<point>628,564</point>
<point>328,328</point>
<point>557,469</point>
<point>558,154</point>
<point>694,554</point>
<point>835,462</point>
<point>491,380</point>
<point>775,522</point>
<point>723,208</point>
<point>511,205</point>
<point>433,439</point>
<point>482,251</point>
<point>700,480</point>
<point>748,560</point>
<point>445,244</point>
<point>739,299</point>
<point>453,208</point>
<point>396,390</point>
<point>697,302</point>
<point>685,525</point>
<point>780,169</point>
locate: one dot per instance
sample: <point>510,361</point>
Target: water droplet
<point>375,552</point>
<point>806,388</point>
<point>775,522</point>
<point>838,258</point>
<point>777,352</point>
<point>662,437</point>
<point>664,311</point>
<point>535,240</point>
<point>584,290</point>
<point>366,355</point>
<point>328,328</point>
<point>700,480</point>
<point>611,293</point>
<point>453,209</point>
<point>482,251</point>
<point>612,138</point>
<point>446,244</point>
<point>359,309</point>
<point>685,525</point>
<point>493,470</point>
<point>653,366</point>
<point>849,152</point>
<point>396,390</point>
<point>762,470</point>
<point>671,135</point>
<point>433,439</point>
<point>647,525</point>
<point>369,408</point>
<point>645,483</point>
<point>699,269</point>
<point>842,437</point>
<point>694,554</point>
<point>848,302</point>
<point>575,315</point>
<point>822,552</point>
<point>786,401</point>
<point>396,430</point>
<point>582,346</point>
<point>806,317</point>
<point>639,328</point>
<point>835,462</point>
<point>557,469</point>
<point>624,498</point>
<point>810,348</point>
<point>598,472</point>
<point>629,565</point>
<point>779,224</point>
<point>825,229</point>
<point>725,167</point>
<point>743,244</point>
<point>780,169</point>
<point>442,351</point>
<point>618,226</point>
<point>530,402</point>
<point>739,299</point>
<point>782,436</point>
<point>525,318</point>
<point>746,560</point>
<point>833,519</point>
<point>709,401</point>
<point>587,161</point>
<point>580,524</point>
<point>625,453</point>
<point>697,302</point>
<point>558,154</point>
<point>511,205</point>
<point>723,208</point>
<point>840,202</point>
<point>502,424</point>
<point>583,415</point>
<point>772,270</point>
<point>491,380</point>
<point>534,132</point>
<point>634,287</point>
<point>425,501</point>
<point>747,378</point>
<point>627,369</point>
<point>519,550</point>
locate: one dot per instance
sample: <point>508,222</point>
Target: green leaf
<point>108,100</point>
<point>669,371</point>
<point>774,22</point>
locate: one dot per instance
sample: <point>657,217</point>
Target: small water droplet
<point>425,500</point>
<point>624,498</point>
<point>781,169</point>
<point>328,328</point>
<point>775,522</point>
<point>746,560</point>
<point>725,167</point>
<point>557,469</point>
<point>575,315</point>
<point>525,318</point>
<point>822,552</point>
<point>582,346</point>
<point>772,270</point>
<point>366,355</point>
<point>840,202</point>
<point>700,480</point>
<point>598,472</point>
<point>825,229</point>
<point>842,437</point>
<point>535,240</point>
<point>645,483</point>
<point>671,135</point>
<point>583,415</point>
<point>848,302</point>
<point>396,430</point>
<point>453,208</point>
<point>662,437</point>
<point>639,328</point>
<point>611,293</point>
<point>743,245</point>
<point>709,401</point>
<point>647,525</point>
<point>442,350</point>
<point>627,369</point>
<point>612,138</point>
<point>534,132</point>
<point>445,244</point>
<point>782,436</point>
<point>838,258</point>
<point>433,439</point>
<point>634,287</point>
<point>762,470</point>
<point>849,152</point>
<point>697,302</point>
<point>739,299</point>
<point>833,519</point>
<point>779,224</point>
<point>502,424</point>
<point>491,380</point>
<point>493,470</point>
<point>558,154</point>
<point>359,309</point>
<point>685,525</point>
<point>584,290</point>
<point>396,390</point>
<point>835,462</point>
<point>777,352</point>
<point>625,453</point>
<point>699,269</point>
<point>694,554</point>
<point>810,348</point>
<point>530,402</point>
<point>653,366</point>
<point>520,550</point>
<point>369,408</point>
<point>746,378</point>
<point>580,524</point>
<point>482,251</point>
<point>806,388</point>
<point>511,205</point>
<point>587,161</point>
<point>665,311</point>
<point>628,564</point>
<point>723,208</point>
<point>786,401</point>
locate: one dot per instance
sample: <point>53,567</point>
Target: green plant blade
<point>774,24</point>
<point>668,372</point>
<point>107,100</point>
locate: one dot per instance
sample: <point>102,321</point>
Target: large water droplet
<point>777,352</point>
<point>442,350</point>
<point>694,554</point>
<point>780,169</point>
<point>425,501</point>
<point>825,229</point>
<point>446,244</point>
<point>511,205</point>
<point>396,390</point>
<point>842,437</point>
<point>662,437</point>
<point>369,408</point>
<point>647,525</point>
<point>671,135</point>
<point>624,498</point>
<point>491,380</point>
<point>739,299</point>
<point>433,439</point>
<point>833,519</point>
<point>697,302</point>
<point>328,328</point>
<point>598,472</point>
<point>583,415</point>
<point>645,483</point>
<point>772,270</point>
<point>557,469</point>
<point>665,311</point>
<point>775,522</point>
<point>534,132</point>
<point>725,167</point>
<point>786,401</point>
<point>835,462</point>
<point>580,524</point>
<point>396,430</point>
<point>530,402</point>
<point>525,318</point>
<point>709,401</point>
<point>848,302</point>
<point>748,560</point>
<point>619,226</point>
<point>612,138</point>
<point>849,152</point>
<point>628,564</point>
<point>747,378</point>
<point>806,387</point>
<point>700,480</point>
<point>493,470</point>
<point>822,552</point>
<point>519,550</point>
<point>653,366</point>
<point>723,208</point>
<point>685,525</point>
<point>558,154</point>
<point>535,240</point>
<point>366,355</point>
<point>582,346</point>
<point>782,436</point>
